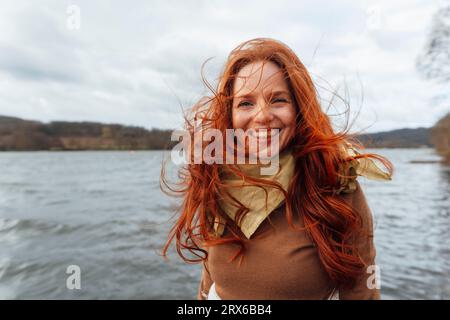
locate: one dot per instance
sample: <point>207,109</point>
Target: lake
<point>104,212</point>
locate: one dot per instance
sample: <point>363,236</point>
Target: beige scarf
<point>254,198</point>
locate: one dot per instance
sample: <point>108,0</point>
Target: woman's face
<point>262,100</point>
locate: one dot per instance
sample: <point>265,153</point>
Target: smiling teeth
<point>264,133</point>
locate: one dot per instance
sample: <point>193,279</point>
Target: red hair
<point>317,149</point>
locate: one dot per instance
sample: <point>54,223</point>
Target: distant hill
<point>20,134</point>
<point>400,138</point>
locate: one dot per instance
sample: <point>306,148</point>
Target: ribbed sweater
<point>281,263</point>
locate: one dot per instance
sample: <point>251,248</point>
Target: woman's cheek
<point>234,119</point>
<point>239,120</point>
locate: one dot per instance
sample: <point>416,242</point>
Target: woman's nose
<point>263,113</point>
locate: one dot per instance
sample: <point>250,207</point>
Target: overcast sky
<point>134,62</point>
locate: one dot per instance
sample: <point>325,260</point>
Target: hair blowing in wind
<point>317,149</point>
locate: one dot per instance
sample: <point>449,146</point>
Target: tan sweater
<point>283,264</point>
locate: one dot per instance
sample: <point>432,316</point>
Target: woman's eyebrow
<point>273,94</point>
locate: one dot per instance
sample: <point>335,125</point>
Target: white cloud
<point>131,62</point>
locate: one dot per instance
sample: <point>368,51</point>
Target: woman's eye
<point>279,100</point>
<point>244,104</point>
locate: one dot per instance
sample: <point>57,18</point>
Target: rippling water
<point>104,212</point>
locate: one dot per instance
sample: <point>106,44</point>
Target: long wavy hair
<point>317,150</point>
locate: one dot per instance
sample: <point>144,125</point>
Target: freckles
<point>290,115</point>
<point>236,118</point>
<point>241,118</point>
<point>287,116</point>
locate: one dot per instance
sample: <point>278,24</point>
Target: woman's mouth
<point>264,133</point>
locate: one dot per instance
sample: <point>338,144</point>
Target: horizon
<point>158,128</point>
<point>91,62</point>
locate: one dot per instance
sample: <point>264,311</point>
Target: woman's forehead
<point>259,76</point>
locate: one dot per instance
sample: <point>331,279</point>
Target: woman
<point>303,232</point>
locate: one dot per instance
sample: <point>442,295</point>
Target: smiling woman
<point>263,101</point>
<point>304,232</point>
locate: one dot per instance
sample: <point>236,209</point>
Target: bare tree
<point>434,62</point>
